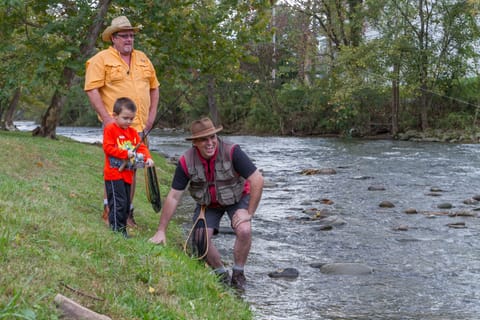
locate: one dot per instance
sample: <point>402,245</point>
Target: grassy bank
<point>52,240</point>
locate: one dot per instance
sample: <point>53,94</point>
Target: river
<point>423,267</point>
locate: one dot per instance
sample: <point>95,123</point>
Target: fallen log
<point>74,311</point>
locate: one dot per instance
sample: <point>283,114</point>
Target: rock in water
<point>346,268</point>
<point>287,273</point>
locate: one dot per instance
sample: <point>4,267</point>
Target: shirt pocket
<point>114,73</point>
<point>145,71</point>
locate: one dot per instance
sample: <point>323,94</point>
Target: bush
<point>455,120</point>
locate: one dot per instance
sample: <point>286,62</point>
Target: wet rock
<point>376,188</point>
<point>293,218</point>
<point>325,228</point>
<point>386,204</point>
<point>445,205</point>
<point>332,221</point>
<point>476,197</point>
<point>433,194</point>
<point>309,172</point>
<point>348,268</point>
<point>326,201</point>
<point>321,214</point>
<point>328,171</point>
<point>362,177</point>
<point>310,211</point>
<point>407,240</point>
<point>457,225</point>
<point>287,273</point>
<point>306,203</point>
<point>463,213</point>
<point>435,189</point>
<point>411,211</point>
<point>401,227</point>
<point>435,213</point>
<point>470,201</point>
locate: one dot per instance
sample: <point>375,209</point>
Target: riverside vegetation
<point>52,240</point>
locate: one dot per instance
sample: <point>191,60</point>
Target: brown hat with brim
<point>118,24</point>
<point>203,128</point>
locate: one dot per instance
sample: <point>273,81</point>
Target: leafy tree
<point>432,40</point>
<point>67,23</point>
<point>17,62</point>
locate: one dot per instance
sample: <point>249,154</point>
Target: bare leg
<point>106,209</point>
<point>214,260</point>
<point>134,183</point>
<point>241,223</point>
<point>243,241</point>
<point>131,220</point>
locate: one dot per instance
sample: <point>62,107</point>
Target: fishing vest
<point>228,184</point>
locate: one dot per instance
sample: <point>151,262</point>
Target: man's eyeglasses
<point>125,36</point>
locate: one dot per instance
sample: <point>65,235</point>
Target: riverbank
<point>52,240</point>
<point>429,135</point>
<point>437,135</point>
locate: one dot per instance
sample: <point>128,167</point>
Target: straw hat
<point>118,24</point>
<point>202,128</point>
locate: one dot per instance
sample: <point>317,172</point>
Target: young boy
<point>122,145</point>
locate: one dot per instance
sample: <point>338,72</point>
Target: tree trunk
<point>212,103</point>
<point>395,99</point>
<point>51,117</point>
<point>423,40</point>
<point>424,108</point>
<point>8,120</point>
<point>356,24</point>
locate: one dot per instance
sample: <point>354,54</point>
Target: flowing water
<point>423,270</point>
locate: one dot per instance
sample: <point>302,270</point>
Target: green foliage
<point>321,75</point>
<point>77,110</point>
<point>458,120</point>
<point>189,43</point>
<point>261,120</point>
<point>234,102</point>
<point>305,109</point>
<point>465,89</point>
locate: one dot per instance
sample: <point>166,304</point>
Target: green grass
<point>52,240</point>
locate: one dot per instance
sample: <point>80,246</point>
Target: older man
<point>209,163</point>
<point>121,71</point>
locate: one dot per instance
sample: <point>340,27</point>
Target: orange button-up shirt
<point>107,72</point>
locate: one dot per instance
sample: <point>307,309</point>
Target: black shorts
<point>214,215</point>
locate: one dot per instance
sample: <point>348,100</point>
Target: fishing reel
<point>139,160</point>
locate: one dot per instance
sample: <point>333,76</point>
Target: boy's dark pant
<point>118,195</point>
